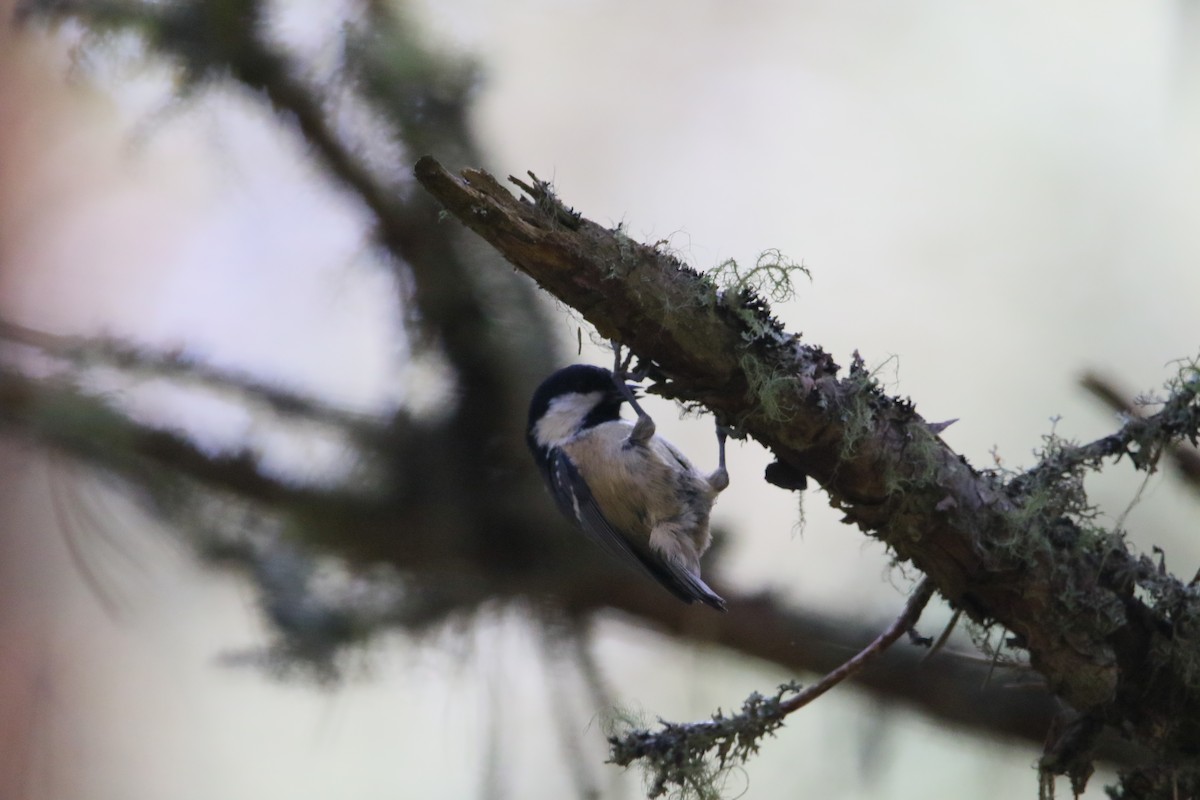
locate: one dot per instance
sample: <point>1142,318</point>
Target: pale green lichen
<point>772,275</point>
<point>691,760</point>
<point>775,390</point>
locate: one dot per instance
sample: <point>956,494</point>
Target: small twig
<point>1140,438</point>
<point>987,679</point>
<point>1186,459</point>
<point>680,754</point>
<point>912,612</point>
<point>944,637</point>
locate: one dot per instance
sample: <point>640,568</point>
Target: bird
<point>626,488</point>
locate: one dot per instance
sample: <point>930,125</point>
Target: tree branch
<point>84,352</point>
<point>900,626</point>
<point>676,753</point>
<point>1111,635</point>
<point>1185,459</point>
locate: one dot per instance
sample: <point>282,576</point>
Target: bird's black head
<point>587,396</point>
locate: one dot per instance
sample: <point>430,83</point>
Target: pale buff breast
<point>650,492</point>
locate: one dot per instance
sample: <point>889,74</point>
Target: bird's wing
<point>576,501</point>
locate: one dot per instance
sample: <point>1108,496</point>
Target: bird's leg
<point>644,428</point>
<point>719,479</point>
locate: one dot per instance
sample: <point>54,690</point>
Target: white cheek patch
<point>564,417</point>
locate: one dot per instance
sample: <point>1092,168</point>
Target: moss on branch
<point>1111,634</point>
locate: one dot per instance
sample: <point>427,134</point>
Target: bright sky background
<point>992,198</point>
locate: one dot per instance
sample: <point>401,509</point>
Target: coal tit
<point>631,491</point>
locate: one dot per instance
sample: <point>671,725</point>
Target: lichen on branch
<point>1111,634</point>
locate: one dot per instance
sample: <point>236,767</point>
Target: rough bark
<point>1113,636</point>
